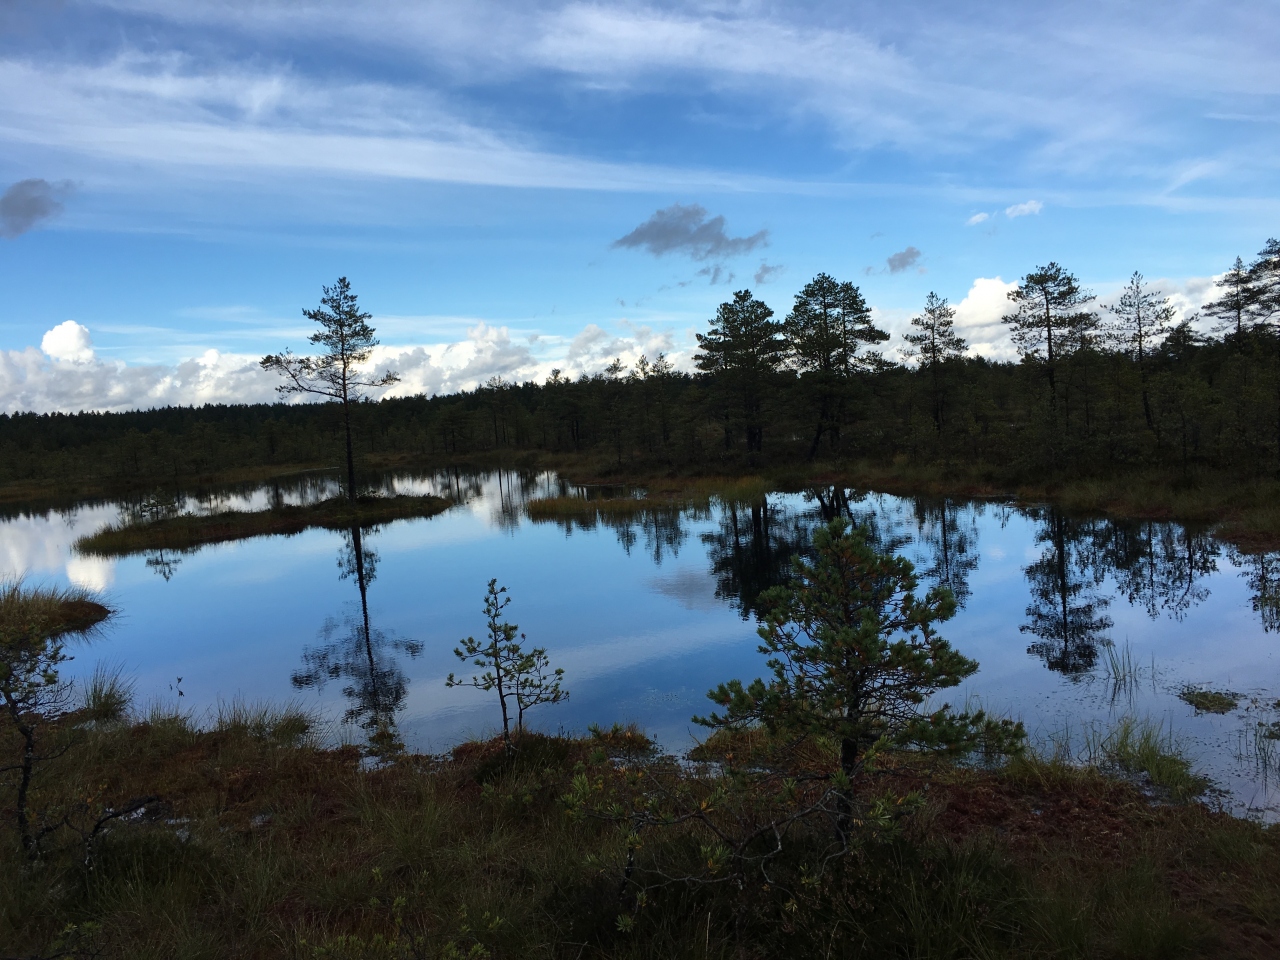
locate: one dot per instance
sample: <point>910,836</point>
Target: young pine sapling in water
<point>523,678</point>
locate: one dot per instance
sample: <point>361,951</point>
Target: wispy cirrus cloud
<point>1026,209</point>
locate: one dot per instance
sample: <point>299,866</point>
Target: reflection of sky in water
<point>644,615</point>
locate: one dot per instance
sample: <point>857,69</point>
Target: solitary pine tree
<point>743,349</point>
<point>348,341</point>
<point>935,342</point>
<point>1142,319</point>
<point>827,325</point>
<point>1050,315</point>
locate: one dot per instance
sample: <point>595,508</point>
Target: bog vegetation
<point>831,813</point>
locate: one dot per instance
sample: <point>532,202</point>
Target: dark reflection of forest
<point>1066,610</point>
<point>361,656</point>
<point>1160,567</point>
<point>751,550</point>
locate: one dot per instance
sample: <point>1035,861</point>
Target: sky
<point>516,187</point>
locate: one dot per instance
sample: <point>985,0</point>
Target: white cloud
<point>92,573</point>
<point>68,377</point>
<point>976,219</point>
<point>978,318</point>
<point>70,342</point>
<point>1023,209</point>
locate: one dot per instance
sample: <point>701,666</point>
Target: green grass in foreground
<point>190,531</point>
<point>263,844</point>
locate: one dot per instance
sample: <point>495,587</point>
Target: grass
<point>1144,749</point>
<point>263,844</point>
<point>191,531</point>
<point>1209,701</point>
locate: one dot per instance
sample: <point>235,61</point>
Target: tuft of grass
<point>105,698</point>
<point>288,725</point>
<point>1144,748</point>
<point>1209,701</point>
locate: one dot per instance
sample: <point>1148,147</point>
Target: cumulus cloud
<point>903,260</point>
<point>686,228</point>
<point>70,342</point>
<point>66,375</point>
<point>976,219</point>
<point>978,318</point>
<point>28,202</point>
<point>1023,209</point>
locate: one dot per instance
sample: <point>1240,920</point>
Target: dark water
<point>1076,622</point>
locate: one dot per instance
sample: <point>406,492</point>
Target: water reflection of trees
<point>949,532</point>
<point>1262,572</point>
<point>1160,567</point>
<point>751,549</point>
<point>354,651</point>
<point>660,527</point>
<point>1065,612</point>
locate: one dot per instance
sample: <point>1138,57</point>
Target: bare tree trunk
<point>351,460</point>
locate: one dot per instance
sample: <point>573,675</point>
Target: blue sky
<point>183,177</point>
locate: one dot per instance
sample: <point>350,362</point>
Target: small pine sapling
<point>522,677</point>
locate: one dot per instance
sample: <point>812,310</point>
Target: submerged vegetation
<point>189,531</point>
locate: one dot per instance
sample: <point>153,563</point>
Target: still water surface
<point>646,613</point>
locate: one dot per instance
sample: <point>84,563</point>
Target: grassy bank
<point>260,843</point>
<point>1245,512</point>
<point>190,531</point>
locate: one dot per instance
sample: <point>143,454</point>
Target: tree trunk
<point>351,459</point>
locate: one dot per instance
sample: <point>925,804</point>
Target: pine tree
<point>524,677</point>
<point>828,324</point>
<point>348,341</point>
<point>743,350</point>
<point>855,656</point>
<point>935,343</point>
<point>1142,318</point>
<point>1238,305</point>
<point>1049,316</point>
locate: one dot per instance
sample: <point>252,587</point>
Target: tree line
<point>1097,389</point>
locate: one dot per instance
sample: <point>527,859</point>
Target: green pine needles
<point>521,678</point>
<point>856,656</point>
